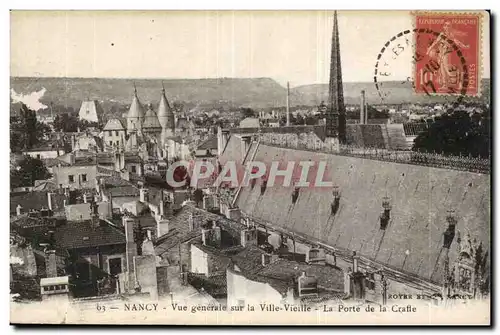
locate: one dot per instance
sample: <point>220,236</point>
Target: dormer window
<point>263,186</point>
<point>295,195</point>
<point>336,200</point>
<point>385,217</point>
<point>449,233</point>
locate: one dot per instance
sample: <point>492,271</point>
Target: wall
<point>78,212</point>
<point>145,271</point>
<point>134,168</point>
<point>239,288</point>
<point>44,154</point>
<point>62,173</point>
<point>116,136</point>
<point>199,260</point>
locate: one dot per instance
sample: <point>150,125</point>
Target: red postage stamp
<point>447,53</point>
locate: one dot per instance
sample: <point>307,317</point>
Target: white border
<point>186,4</point>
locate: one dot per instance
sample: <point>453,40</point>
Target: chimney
<point>18,209</point>
<point>50,263</point>
<point>131,251</point>
<point>269,259</point>
<point>287,104</point>
<point>71,156</point>
<point>49,200</point>
<point>162,204</point>
<point>204,236</point>
<point>362,109</point>
<point>233,214</point>
<point>191,222</point>
<point>355,260</point>
<point>248,237</point>
<point>143,196</point>
<point>162,227</point>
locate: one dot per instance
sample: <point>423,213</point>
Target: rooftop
<point>85,235</point>
<point>420,198</point>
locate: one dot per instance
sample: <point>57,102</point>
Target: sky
<point>289,46</point>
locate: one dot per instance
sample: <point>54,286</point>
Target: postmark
<point>407,41</point>
<point>443,56</point>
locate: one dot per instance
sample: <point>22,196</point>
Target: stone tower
<point>335,116</point>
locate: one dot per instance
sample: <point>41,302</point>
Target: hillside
<point>255,92</point>
<point>225,92</point>
<point>398,92</point>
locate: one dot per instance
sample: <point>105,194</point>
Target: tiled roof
<point>122,191</point>
<point>36,200</point>
<point>367,135</point>
<point>281,273</point>
<point>414,128</point>
<point>420,197</point>
<point>114,124</point>
<point>84,235</point>
<point>50,162</point>
<point>318,130</point>
<point>179,227</point>
<point>210,143</point>
<point>151,120</point>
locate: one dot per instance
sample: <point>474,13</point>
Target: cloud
<point>32,100</point>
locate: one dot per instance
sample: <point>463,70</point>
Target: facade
<point>113,135</point>
<point>75,176</point>
<point>44,152</point>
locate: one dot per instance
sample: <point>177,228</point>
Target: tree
<point>25,130</point>
<point>248,112</point>
<point>28,170</point>
<point>66,123</point>
<point>457,133</point>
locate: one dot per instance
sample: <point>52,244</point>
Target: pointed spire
<point>135,116</point>
<point>165,113</point>
<point>335,117</point>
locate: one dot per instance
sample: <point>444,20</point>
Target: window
<point>84,177</point>
<point>88,112</point>
<point>370,281</point>
<point>116,132</point>
<point>117,142</point>
<point>133,169</point>
<point>110,133</point>
<point>71,178</point>
<point>115,266</point>
<point>38,156</point>
<point>110,142</point>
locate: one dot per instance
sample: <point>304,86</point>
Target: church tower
<point>335,116</point>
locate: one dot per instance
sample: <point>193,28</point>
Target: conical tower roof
<point>165,113</point>
<point>136,110</point>
<point>151,120</point>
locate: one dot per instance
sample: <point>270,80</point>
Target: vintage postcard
<point>250,167</point>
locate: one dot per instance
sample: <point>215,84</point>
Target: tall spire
<point>335,117</point>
